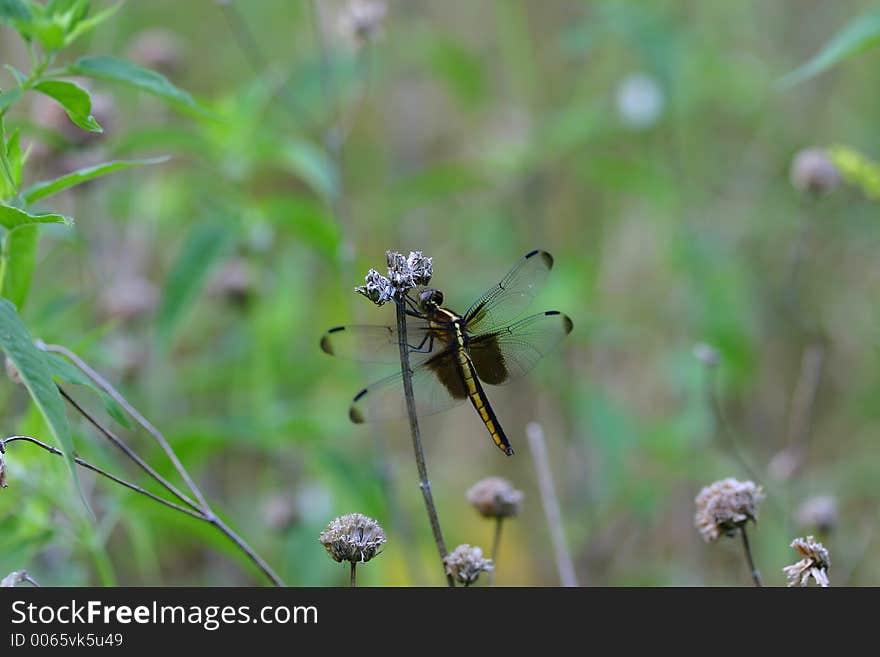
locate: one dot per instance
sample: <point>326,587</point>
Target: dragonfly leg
<point>429,338</point>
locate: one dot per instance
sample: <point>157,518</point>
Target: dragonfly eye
<point>430,299</point>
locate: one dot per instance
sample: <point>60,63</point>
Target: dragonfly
<point>453,355</point>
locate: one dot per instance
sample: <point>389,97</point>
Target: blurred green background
<point>647,146</point>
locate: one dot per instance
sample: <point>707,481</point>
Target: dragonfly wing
<point>508,353</point>
<point>379,344</point>
<point>437,386</point>
<point>509,299</point>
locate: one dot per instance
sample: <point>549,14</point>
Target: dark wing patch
<point>517,347</point>
<point>489,361</point>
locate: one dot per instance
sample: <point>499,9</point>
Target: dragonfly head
<point>430,300</point>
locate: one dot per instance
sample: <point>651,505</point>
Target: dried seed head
<point>813,171</point>
<point>819,513</point>
<point>706,354</point>
<point>353,537</point>
<point>495,497</point>
<point>815,563</point>
<point>14,578</point>
<point>726,505</point>
<point>399,271</point>
<point>361,21</point>
<point>377,288</point>
<point>12,372</point>
<point>421,266</point>
<point>465,563</point>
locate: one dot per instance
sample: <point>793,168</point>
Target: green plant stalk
<point>4,156</point>
<point>496,543</point>
<point>424,483</point>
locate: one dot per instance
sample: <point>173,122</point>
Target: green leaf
<point>14,10</point>
<point>83,25</point>
<point>859,35</point>
<point>47,188</point>
<point>31,365</point>
<point>202,247</point>
<point>313,166</point>
<point>12,218</point>
<point>66,371</point>
<point>9,97</point>
<point>74,99</point>
<point>20,246</point>
<point>16,160</point>
<point>132,75</point>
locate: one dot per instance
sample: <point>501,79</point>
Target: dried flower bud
<point>495,497</point>
<point>377,288</point>
<point>12,372</point>
<point>353,537</point>
<point>815,563</point>
<point>465,563</point>
<point>399,271</point>
<point>159,49</point>
<point>279,512</point>
<point>812,171</point>
<point>361,21</point>
<point>421,266</point>
<point>725,506</point>
<point>706,354</point>
<point>15,578</point>
<point>3,483</point>
<point>819,513</point>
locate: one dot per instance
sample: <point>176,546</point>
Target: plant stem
<point>756,576</point>
<point>202,509</point>
<point>538,447</point>
<point>496,543</point>
<point>88,466</point>
<point>424,483</point>
<point>353,583</point>
<point>722,427</point>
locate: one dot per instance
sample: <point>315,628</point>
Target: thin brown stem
<point>424,483</point>
<point>756,576</point>
<point>88,466</point>
<point>128,451</point>
<point>496,544</point>
<point>722,426</point>
<point>353,581</point>
<point>133,412</point>
<point>202,510</point>
<point>538,447</point>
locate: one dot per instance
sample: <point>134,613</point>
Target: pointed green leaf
<point>132,75</point>
<point>20,246</point>
<point>859,35</point>
<point>83,25</point>
<point>47,188</point>
<point>12,218</point>
<point>9,97</point>
<point>31,364</point>
<point>202,247</point>
<point>74,99</point>
<point>16,160</point>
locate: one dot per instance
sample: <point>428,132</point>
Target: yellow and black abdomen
<point>478,397</point>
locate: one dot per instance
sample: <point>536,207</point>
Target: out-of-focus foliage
<point>645,145</point>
